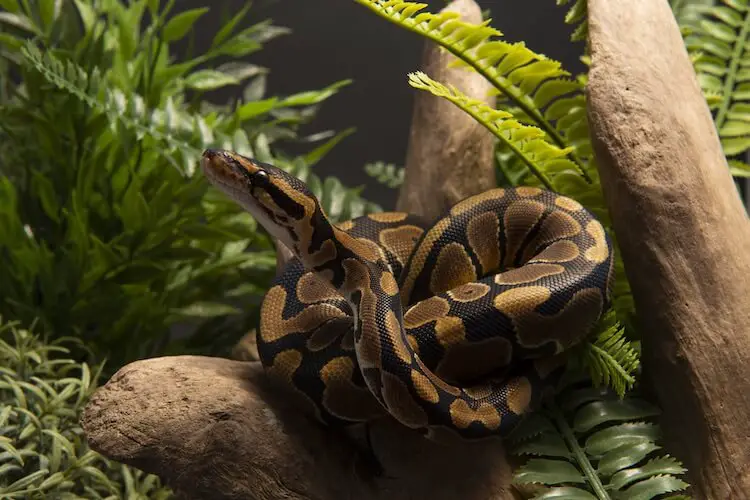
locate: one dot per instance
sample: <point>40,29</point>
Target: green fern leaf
<point>529,81</point>
<point>600,412</point>
<point>528,143</point>
<point>534,425</point>
<point>591,444</point>
<point>739,168</point>
<point>577,15</point>
<point>549,444</point>
<point>612,359</point>
<point>565,493</point>
<point>722,34</point>
<point>386,173</point>
<point>624,456</point>
<point>658,466</point>
<point>629,433</point>
<point>653,487</point>
<point>545,471</point>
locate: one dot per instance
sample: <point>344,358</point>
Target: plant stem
<point>726,91</point>
<point>580,456</point>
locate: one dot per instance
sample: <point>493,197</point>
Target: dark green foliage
<point>591,445</point>
<point>107,231</point>
<point>43,453</point>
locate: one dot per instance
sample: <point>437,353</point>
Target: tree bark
<point>450,155</point>
<point>213,428</point>
<point>683,233</point>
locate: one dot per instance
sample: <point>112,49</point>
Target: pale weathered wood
<point>450,155</point>
<point>213,428</point>
<point>683,233</point>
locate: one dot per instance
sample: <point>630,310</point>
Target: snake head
<point>280,202</point>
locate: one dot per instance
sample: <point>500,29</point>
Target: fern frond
<point>687,12</point>
<point>591,445</point>
<point>722,34</point>
<point>577,14</point>
<point>533,84</point>
<point>528,143</point>
<point>611,359</point>
<point>739,168</point>
<point>386,173</point>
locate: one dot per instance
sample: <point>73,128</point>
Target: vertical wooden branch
<point>684,236</point>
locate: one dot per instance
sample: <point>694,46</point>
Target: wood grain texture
<point>214,428</point>
<point>683,233</point>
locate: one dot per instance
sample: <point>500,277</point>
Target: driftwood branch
<point>683,233</point>
<point>212,428</point>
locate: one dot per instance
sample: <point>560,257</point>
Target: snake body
<point>456,328</point>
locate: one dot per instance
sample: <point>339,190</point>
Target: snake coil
<point>458,327</point>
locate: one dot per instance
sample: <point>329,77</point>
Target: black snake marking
<point>456,329</point>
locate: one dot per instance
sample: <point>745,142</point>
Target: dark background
<point>333,40</point>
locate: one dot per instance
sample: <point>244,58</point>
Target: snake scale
<point>455,328</point>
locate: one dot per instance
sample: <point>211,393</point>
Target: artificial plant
<point>43,453</point>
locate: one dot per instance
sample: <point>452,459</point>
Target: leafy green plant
<point>106,231</point>
<point>590,444</point>
<point>718,36</point>
<point>387,174</point>
<point>43,453</point>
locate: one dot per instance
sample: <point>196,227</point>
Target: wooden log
<point>214,428</point>
<point>683,233</point>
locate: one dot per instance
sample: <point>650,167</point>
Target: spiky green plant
<point>43,453</point>
<point>591,445</point>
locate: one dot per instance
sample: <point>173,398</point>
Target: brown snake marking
<point>457,329</point>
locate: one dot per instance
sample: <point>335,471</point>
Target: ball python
<point>456,328</point>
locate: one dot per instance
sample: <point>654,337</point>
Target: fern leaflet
<point>534,84</point>
<point>577,15</point>
<point>527,142</point>
<point>386,173</point>
<point>611,359</point>
<point>590,445</point>
<point>722,34</point>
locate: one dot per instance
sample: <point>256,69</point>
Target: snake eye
<point>259,179</point>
